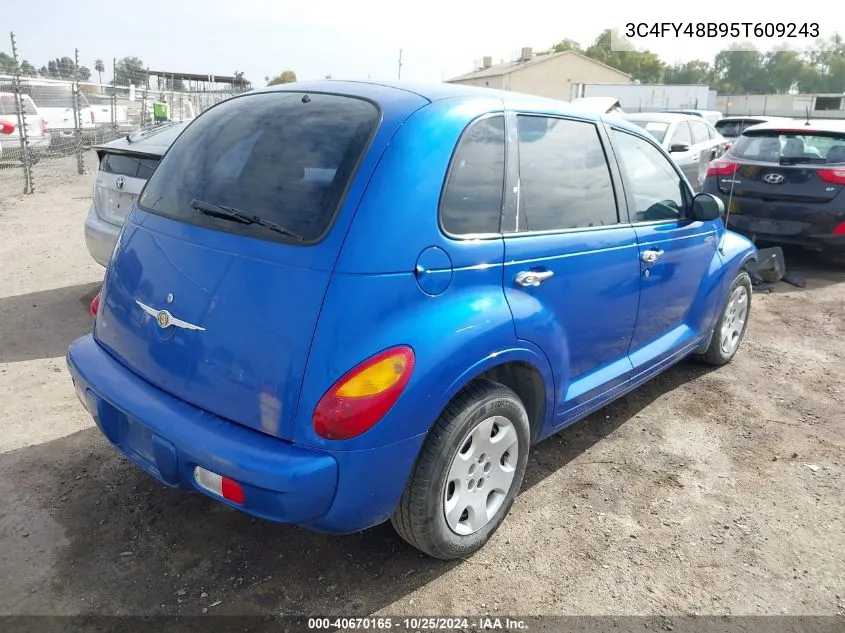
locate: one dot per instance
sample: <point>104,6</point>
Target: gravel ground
<point>710,492</point>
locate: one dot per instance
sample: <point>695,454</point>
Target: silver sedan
<point>691,140</point>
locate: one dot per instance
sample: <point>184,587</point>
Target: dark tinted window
<point>681,134</point>
<point>132,166</point>
<point>472,199</point>
<point>564,176</point>
<point>281,156</point>
<point>699,132</point>
<point>655,184</point>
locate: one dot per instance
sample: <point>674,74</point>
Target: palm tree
<point>99,66</point>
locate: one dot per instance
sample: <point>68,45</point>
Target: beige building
<point>549,75</point>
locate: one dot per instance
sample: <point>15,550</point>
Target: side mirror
<point>679,147</point>
<point>707,207</point>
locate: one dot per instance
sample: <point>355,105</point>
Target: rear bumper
<point>784,232</point>
<point>168,438</point>
<point>100,237</point>
<point>337,492</point>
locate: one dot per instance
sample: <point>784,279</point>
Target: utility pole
<point>400,64</point>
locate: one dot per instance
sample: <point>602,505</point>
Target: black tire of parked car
<point>715,355</point>
<point>420,519</point>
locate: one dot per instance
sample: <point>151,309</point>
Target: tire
<point>431,493</point>
<point>727,327</point>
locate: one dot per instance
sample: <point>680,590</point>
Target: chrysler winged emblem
<point>164,319</point>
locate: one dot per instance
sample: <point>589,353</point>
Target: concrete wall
<point>776,105</point>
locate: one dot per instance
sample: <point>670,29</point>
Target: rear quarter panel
<point>374,301</point>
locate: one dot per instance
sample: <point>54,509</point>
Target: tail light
<point>362,397</point>
<point>839,230</point>
<point>43,128</point>
<point>722,167</point>
<point>92,116</point>
<point>95,304</point>
<point>833,176</point>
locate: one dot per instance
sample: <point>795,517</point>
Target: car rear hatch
<point>784,165</point>
<point>124,167</point>
<point>242,295</point>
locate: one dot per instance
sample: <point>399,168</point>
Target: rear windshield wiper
<point>230,213</point>
<point>796,160</point>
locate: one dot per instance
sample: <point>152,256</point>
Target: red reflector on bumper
<point>218,485</point>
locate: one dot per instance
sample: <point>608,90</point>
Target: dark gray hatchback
<point>782,183</point>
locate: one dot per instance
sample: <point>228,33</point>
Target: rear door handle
<point>651,256</point>
<point>533,277</point>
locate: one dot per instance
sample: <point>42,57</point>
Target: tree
<point>7,64</point>
<point>100,67</point>
<point>286,77</point>
<point>60,68</point>
<point>693,72</point>
<point>739,70</point>
<point>566,45</point>
<point>783,68</point>
<point>643,66</point>
<point>130,70</point>
<point>28,70</point>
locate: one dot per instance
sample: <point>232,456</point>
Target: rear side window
<point>472,197</point>
<point>681,135</point>
<point>125,165</point>
<point>565,180</point>
<point>699,132</point>
<point>285,157</point>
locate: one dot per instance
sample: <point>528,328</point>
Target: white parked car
<point>36,128</point>
<point>124,167</point>
<point>692,142</point>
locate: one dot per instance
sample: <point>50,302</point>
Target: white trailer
<point>651,97</point>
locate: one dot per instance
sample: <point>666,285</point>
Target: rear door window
<point>565,180</point>
<point>472,198</point>
<point>681,135</point>
<point>699,132</point>
<point>285,157</point>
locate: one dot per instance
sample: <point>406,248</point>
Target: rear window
<point>733,129</point>
<point>7,105</point>
<point>127,165</point>
<point>655,128</point>
<point>776,146</point>
<point>285,157</point>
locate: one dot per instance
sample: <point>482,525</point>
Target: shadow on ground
<point>122,543</point>
<point>43,324</point>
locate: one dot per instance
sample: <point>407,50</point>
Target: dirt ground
<point>709,492</point>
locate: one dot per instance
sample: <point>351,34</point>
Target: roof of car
<point>439,91</point>
<point>145,140</point>
<point>660,117</point>
<point>744,117</point>
<point>801,126</point>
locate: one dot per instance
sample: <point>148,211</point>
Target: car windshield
<point>284,157</point>
<point>8,105</point>
<point>53,96</point>
<point>656,128</point>
<point>785,146</point>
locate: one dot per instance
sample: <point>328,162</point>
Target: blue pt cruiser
<point>337,303</point>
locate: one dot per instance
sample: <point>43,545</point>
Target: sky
<point>356,39</point>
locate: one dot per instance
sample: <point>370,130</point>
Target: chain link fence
<point>56,123</point>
